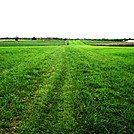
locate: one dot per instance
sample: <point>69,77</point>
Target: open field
<point>73,88</point>
<point>32,43</point>
<point>107,43</point>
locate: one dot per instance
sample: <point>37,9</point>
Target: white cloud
<point>67,18</point>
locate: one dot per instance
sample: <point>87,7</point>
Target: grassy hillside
<point>72,88</point>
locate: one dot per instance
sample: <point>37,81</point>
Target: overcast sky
<point>67,18</point>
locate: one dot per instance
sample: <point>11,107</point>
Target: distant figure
<point>34,38</point>
<point>16,38</point>
<point>67,43</point>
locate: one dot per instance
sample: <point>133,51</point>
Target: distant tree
<point>34,38</point>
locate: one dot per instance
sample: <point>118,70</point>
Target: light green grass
<point>107,43</point>
<point>72,88</point>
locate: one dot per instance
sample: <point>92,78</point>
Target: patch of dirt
<point>14,126</point>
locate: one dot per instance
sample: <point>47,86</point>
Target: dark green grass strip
<point>33,43</point>
<point>108,43</point>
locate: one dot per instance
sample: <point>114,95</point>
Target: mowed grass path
<point>67,89</point>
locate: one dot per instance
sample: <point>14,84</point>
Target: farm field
<point>107,43</point>
<point>32,43</point>
<point>75,88</point>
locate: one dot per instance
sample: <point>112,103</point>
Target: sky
<point>67,18</point>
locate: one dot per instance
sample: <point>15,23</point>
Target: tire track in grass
<point>32,123</point>
<point>50,110</point>
<point>81,126</point>
<point>76,43</point>
<point>66,122</point>
<point>78,111</point>
<point>68,117</point>
<point>97,103</point>
<point>21,90</point>
<point>52,105</point>
<point>81,43</point>
<point>82,98</point>
<point>85,104</point>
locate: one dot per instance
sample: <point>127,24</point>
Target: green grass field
<point>58,88</point>
<point>32,43</point>
<point>107,43</point>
